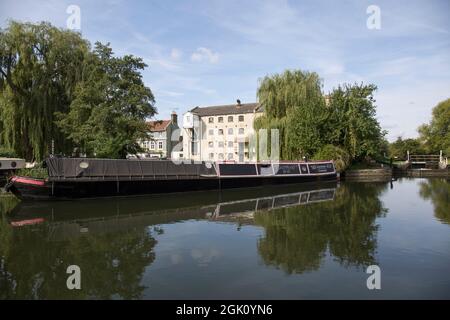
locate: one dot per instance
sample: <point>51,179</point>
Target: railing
<point>429,160</point>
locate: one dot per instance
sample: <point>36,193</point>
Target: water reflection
<point>113,241</point>
<point>438,191</point>
<point>298,238</point>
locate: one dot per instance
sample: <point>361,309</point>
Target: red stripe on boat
<point>28,222</point>
<point>28,181</point>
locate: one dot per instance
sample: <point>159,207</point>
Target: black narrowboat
<point>73,178</point>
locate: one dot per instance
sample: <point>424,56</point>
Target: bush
<point>37,172</point>
<point>7,153</point>
<point>340,156</point>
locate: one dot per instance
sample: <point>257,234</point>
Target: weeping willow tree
<point>294,104</point>
<point>40,66</point>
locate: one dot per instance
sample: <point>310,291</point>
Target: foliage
<point>340,156</point>
<point>107,116</point>
<point>400,148</point>
<point>436,135</point>
<point>40,66</point>
<point>38,171</point>
<point>352,123</point>
<point>54,88</point>
<point>7,152</point>
<point>294,103</point>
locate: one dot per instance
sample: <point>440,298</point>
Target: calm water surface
<point>294,242</point>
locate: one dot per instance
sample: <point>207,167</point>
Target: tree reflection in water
<point>297,238</point>
<point>34,267</point>
<point>438,191</point>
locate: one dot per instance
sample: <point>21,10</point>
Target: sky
<point>202,53</point>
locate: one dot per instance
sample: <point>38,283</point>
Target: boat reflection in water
<point>72,219</point>
<point>148,247</point>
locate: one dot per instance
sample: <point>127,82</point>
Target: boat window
<point>265,169</point>
<point>304,168</point>
<point>237,169</point>
<point>320,167</point>
<point>288,169</point>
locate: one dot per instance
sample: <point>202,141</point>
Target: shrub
<point>340,156</point>
<point>38,171</point>
<point>7,153</point>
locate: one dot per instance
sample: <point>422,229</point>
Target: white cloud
<point>205,54</point>
<point>176,54</point>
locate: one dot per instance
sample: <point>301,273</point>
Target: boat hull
<point>34,189</point>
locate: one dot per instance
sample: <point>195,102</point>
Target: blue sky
<point>214,52</point>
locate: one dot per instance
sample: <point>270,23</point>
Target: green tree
<point>436,134</point>
<point>40,66</point>
<point>107,115</point>
<point>400,147</point>
<point>294,104</point>
<point>352,122</point>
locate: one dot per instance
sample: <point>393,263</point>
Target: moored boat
<point>71,178</point>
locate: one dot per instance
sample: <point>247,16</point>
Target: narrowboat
<point>74,178</point>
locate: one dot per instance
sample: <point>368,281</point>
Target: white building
<point>219,133</point>
<point>159,143</point>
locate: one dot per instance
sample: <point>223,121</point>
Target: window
<point>220,132</point>
<point>210,144</point>
<point>220,144</point>
<point>160,145</point>
<point>241,130</point>
<point>152,145</point>
<point>230,119</point>
<point>220,156</point>
<point>230,156</point>
<point>230,130</point>
<point>241,118</point>
<point>220,119</point>
<point>211,132</point>
<point>211,120</point>
<point>230,144</point>
<point>211,155</point>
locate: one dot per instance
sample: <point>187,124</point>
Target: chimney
<point>238,102</point>
<point>174,117</point>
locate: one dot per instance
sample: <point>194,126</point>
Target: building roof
<point>227,109</point>
<point>158,125</point>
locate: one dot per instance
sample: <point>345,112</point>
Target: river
<point>292,242</point>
